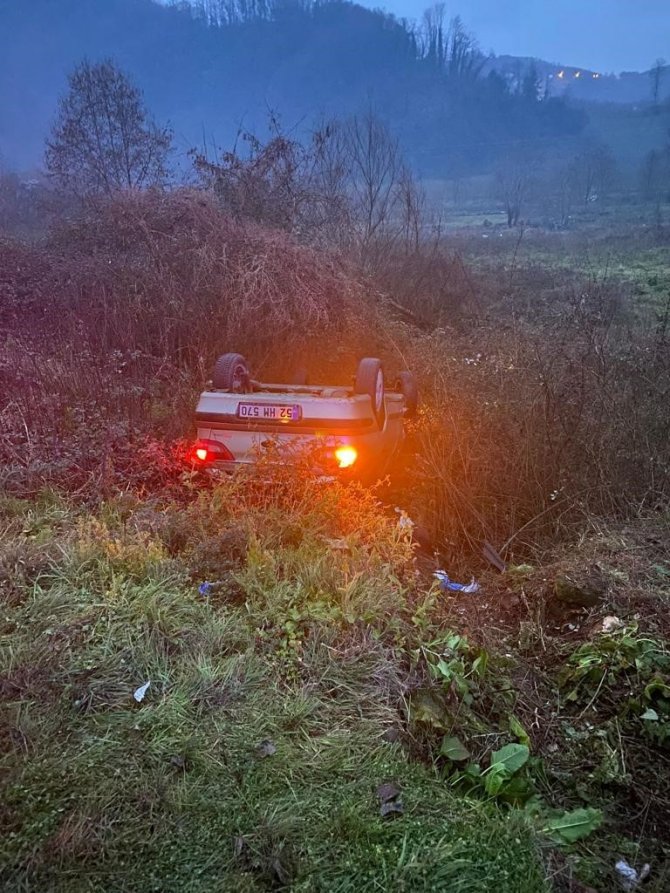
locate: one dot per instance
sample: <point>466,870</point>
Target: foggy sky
<point>604,35</point>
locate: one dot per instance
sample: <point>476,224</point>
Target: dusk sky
<point>604,35</point>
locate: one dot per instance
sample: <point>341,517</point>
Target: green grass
<point>317,636</point>
<point>305,650</point>
<point>612,253</point>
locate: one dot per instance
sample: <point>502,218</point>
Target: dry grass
<point>535,424</point>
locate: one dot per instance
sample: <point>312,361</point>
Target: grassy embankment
<point>316,668</point>
<point>525,736</point>
<point>304,645</point>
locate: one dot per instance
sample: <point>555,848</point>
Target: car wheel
<point>231,373</point>
<point>409,389</point>
<point>370,381</point>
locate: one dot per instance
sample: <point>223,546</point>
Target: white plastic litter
<point>629,878</point>
<point>140,692</point>
<point>611,623</point>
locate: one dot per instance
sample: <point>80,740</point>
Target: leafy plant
<point>453,749</point>
<point>573,826</point>
<point>502,779</point>
<point>505,763</point>
<point>611,655</point>
<point>456,664</point>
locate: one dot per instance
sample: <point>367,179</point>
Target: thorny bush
<point>538,411</point>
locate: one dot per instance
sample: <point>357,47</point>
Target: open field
<point>609,247</point>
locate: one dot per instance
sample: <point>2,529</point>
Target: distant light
<point>596,76</point>
<point>578,74</point>
<point>561,74</point>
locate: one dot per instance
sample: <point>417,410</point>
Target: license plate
<point>269,412</point>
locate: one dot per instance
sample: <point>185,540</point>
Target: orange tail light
<point>346,456</point>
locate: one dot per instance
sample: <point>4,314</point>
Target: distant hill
<point>583,84</point>
<point>302,60</point>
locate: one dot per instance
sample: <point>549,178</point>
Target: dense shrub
<point>110,330</point>
<point>535,424</point>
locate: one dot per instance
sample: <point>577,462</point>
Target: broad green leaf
<point>510,758</point>
<point>575,825</point>
<point>445,669</point>
<point>480,664</point>
<point>655,688</point>
<point>453,749</point>
<point>517,790</point>
<point>518,730</point>
<point>650,714</point>
<point>493,781</point>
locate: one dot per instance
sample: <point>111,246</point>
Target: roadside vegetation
<point>221,685</point>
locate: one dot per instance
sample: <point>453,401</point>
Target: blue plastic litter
<point>447,585</point>
<point>205,588</point>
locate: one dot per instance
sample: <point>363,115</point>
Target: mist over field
<point>334,447</point>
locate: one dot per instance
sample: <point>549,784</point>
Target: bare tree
<point>283,183</point>
<point>433,35</point>
<point>656,74</point>
<point>512,187</point>
<point>592,172</point>
<point>104,139</point>
<point>348,187</point>
<point>449,48</point>
<point>464,61</point>
<point>359,168</point>
<point>375,166</point>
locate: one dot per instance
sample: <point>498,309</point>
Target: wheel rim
<point>379,391</point>
<point>239,374</point>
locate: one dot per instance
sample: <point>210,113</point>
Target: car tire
<point>410,390</point>
<point>231,373</point>
<point>370,380</point>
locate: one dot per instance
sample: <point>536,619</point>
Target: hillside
<point>583,85</point>
<point>304,62</point>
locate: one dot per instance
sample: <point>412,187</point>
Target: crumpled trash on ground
<point>265,749</point>
<point>208,586</point>
<point>390,800</point>
<point>404,521</point>
<point>448,585</point>
<point>140,692</point>
<point>610,624</point>
<point>629,878</point>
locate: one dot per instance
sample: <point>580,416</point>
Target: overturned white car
<point>352,430</point>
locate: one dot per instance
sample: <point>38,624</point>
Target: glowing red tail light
<point>205,452</point>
